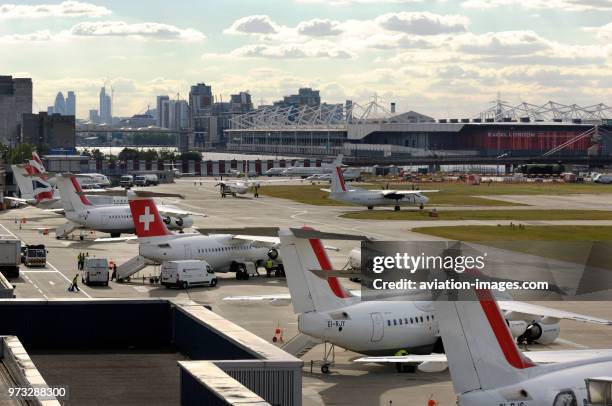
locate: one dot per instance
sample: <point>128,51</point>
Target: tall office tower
<point>59,107</point>
<point>200,108</point>
<point>94,117</point>
<point>50,110</point>
<point>15,101</point>
<point>71,104</point>
<point>160,102</point>
<point>106,114</point>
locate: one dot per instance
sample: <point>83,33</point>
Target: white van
<point>95,271</point>
<point>187,273</point>
<point>603,178</point>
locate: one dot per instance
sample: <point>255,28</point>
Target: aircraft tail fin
<point>337,183</point>
<point>147,220</point>
<point>73,197</point>
<point>31,186</point>
<point>37,163</point>
<point>480,349</point>
<point>308,291</point>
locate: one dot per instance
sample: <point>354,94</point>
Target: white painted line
<point>35,272</point>
<point>51,283</point>
<point>571,343</point>
<point>35,286</point>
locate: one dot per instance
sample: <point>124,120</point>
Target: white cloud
<point>255,24</point>
<point>292,51</point>
<point>318,28</point>
<point>423,23</point>
<point>502,43</point>
<point>604,32</point>
<point>148,30</point>
<point>351,2</point>
<point>563,5</point>
<point>63,9</point>
<point>37,36</point>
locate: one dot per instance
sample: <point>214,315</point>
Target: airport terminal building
<point>373,131</point>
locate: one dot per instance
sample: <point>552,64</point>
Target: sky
<point>443,58</point>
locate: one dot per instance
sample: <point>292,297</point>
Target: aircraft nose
<point>425,199</point>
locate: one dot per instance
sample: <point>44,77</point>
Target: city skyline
<point>443,58</point>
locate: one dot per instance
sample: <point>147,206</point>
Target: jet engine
<point>178,222</point>
<point>541,333</point>
<point>517,327</point>
<point>273,253</point>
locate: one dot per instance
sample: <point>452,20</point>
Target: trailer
<point>10,256</point>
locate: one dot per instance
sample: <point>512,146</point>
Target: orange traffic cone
<point>278,335</point>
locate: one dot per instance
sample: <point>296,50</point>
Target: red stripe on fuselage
<point>333,282</point>
<point>500,329</point>
<point>79,191</point>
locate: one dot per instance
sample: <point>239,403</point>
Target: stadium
<point>371,130</point>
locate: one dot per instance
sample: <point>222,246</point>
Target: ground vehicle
<point>34,255</point>
<point>95,271</point>
<point>187,273</point>
<point>603,178</point>
<point>127,181</point>
<point>147,179</point>
<point>10,256</point>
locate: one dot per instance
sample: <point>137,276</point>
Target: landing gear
<point>396,208</point>
<point>241,271</point>
<point>370,207</point>
<point>329,357</point>
<point>115,235</point>
<point>421,206</point>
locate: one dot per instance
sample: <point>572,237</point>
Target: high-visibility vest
<point>269,263</point>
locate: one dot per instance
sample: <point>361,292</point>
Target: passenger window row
<point>223,249</point>
<point>411,320</point>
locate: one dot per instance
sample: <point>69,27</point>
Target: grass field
<point>481,215</point>
<point>453,194</point>
<point>577,244</point>
<point>528,233</point>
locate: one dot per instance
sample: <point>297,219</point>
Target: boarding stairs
<point>300,345</point>
<point>131,266</point>
<point>65,229</point>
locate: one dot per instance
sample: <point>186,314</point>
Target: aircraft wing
<point>437,362</point>
<point>258,298</point>
<point>17,199</point>
<point>171,210</point>
<point>405,192</point>
<point>258,238</point>
<point>528,310</point>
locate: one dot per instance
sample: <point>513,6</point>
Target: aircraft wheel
<point>184,285</point>
<point>370,207</point>
<point>397,208</point>
<point>421,206</point>
<point>81,237</point>
<point>325,368</point>
<point>213,283</point>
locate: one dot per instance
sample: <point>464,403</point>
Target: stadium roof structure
<point>323,116</point>
<point>550,111</point>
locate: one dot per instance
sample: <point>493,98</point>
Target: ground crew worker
<point>75,284</point>
<point>80,261</point>
<point>269,266</point>
<point>256,191</point>
<point>114,275</point>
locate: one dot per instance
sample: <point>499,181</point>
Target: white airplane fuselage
<point>566,380</point>
<point>218,250</point>
<point>375,328</point>
<point>371,198</point>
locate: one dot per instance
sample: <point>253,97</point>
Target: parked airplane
<point>306,171</point>
<point>36,190</point>
<point>224,252</point>
<point>487,367</point>
<point>114,219</point>
<point>349,174</point>
<point>86,180</point>
<point>334,315</point>
<point>371,198</point>
<point>177,172</point>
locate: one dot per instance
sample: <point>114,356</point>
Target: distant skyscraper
<point>160,102</point>
<point>50,110</point>
<point>94,117</point>
<point>60,104</point>
<point>71,104</point>
<point>106,114</point>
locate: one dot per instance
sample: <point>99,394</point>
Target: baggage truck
<point>10,256</point>
<point>34,255</point>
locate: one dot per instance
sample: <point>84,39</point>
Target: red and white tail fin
<point>37,163</point>
<point>308,291</point>
<point>337,184</point>
<point>147,221</point>
<point>481,352</point>
<point>31,185</point>
<point>73,198</point>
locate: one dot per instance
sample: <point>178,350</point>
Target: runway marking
<point>51,283</point>
<point>48,264</point>
<point>33,271</point>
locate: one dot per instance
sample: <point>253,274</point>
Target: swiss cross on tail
<point>147,221</point>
